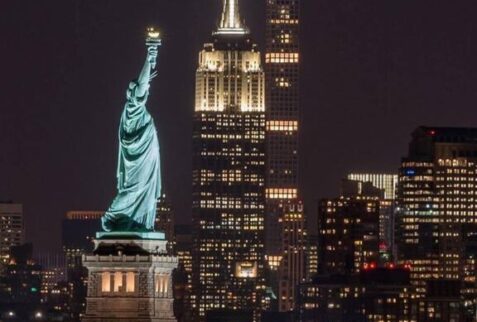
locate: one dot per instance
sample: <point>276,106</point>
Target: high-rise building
<point>78,231</point>
<point>443,302</point>
<point>53,272</point>
<point>165,221</point>
<point>282,71</point>
<point>183,273</point>
<point>229,170</point>
<point>348,234</point>
<point>386,182</point>
<point>312,251</point>
<point>292,269</point>
<point>373,295</point>
<point>364,183</point>
<point>20,285</point>
<point>11,228</point>
<point>437,215</point>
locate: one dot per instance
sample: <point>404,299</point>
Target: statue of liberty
<point>139,167</point>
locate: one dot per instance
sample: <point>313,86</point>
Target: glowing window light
<point>162,284</point>
<point>246,270</point>
<point>282,126</point>
<point>118,282</point>
<point>106,282</point>
<point>130,282</point>
<point>281,193</point>
<point>282,82</point>
<point>282,58</point>
<point>284,21</point>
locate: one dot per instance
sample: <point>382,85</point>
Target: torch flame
<point>153,33</point>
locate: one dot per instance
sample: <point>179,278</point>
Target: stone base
<point>129,280</point>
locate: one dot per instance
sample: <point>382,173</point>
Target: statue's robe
<point>139,170</point>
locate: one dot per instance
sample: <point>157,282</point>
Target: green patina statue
<point>139,167</point>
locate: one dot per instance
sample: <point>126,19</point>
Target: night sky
<point>373,70</point>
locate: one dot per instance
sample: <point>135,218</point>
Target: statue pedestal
<point>129,279</point>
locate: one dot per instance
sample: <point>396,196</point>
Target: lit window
<point>106,282</point>
<point>118,282</point>
<point>130,282</point>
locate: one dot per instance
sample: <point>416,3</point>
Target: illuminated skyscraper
<point>228,170</point>
<point>11,228</point>
<point>348,234</point>
<point>282,67</point>
<point>386,182</point>
<point>79,228</point>
<point>165,222</point>
<point>292,269</point>
<point>437,217</point>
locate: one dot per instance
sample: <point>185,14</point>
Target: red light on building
<point>432,132</point>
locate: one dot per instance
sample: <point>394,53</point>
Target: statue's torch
<point>153,39</point>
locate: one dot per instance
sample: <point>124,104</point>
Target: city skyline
<point>279,161</point>
<point>31,132</point>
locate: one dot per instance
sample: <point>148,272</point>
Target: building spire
<point>230,22</point>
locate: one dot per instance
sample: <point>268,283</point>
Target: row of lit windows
<point>282,58</point>
<point>125,282</point>
<point>280,193</point>
<point>118,282</point>
<point>282,126</point>
<point>284,21</point>
<point>453,162</point>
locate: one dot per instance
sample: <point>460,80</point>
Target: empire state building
<point>228,171</point>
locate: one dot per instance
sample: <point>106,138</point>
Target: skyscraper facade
<point>165,221</point>
<point>437,217</point>
<point>228,170</point>
<point>292,270</point>
<point>348,234</point>
<point>78,231</point>
<point>282,70</point>
<point>386,182</point>
<point>11,228</point>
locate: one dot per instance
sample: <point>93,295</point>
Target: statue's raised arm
<point>145,77</point>
<point>139,170</point>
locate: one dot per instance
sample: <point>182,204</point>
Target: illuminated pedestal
<point>129,280</point>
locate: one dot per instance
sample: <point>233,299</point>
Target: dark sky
<point>373,71</point>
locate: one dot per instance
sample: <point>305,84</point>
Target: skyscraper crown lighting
<point>230,23</point>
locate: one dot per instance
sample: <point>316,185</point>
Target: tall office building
<point>387,199</point>
<point>183,273</point>
<point>437,218</point>
<point>348,234</point>
<point>386,182</point>
<point>11,228</point>
<point>165,222</point>
<point>78,230</point>
<point>292,270</point>
<point>282,70</point>
<point>20,285</point>
<point>229,170</point>
<point>373,295</point>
